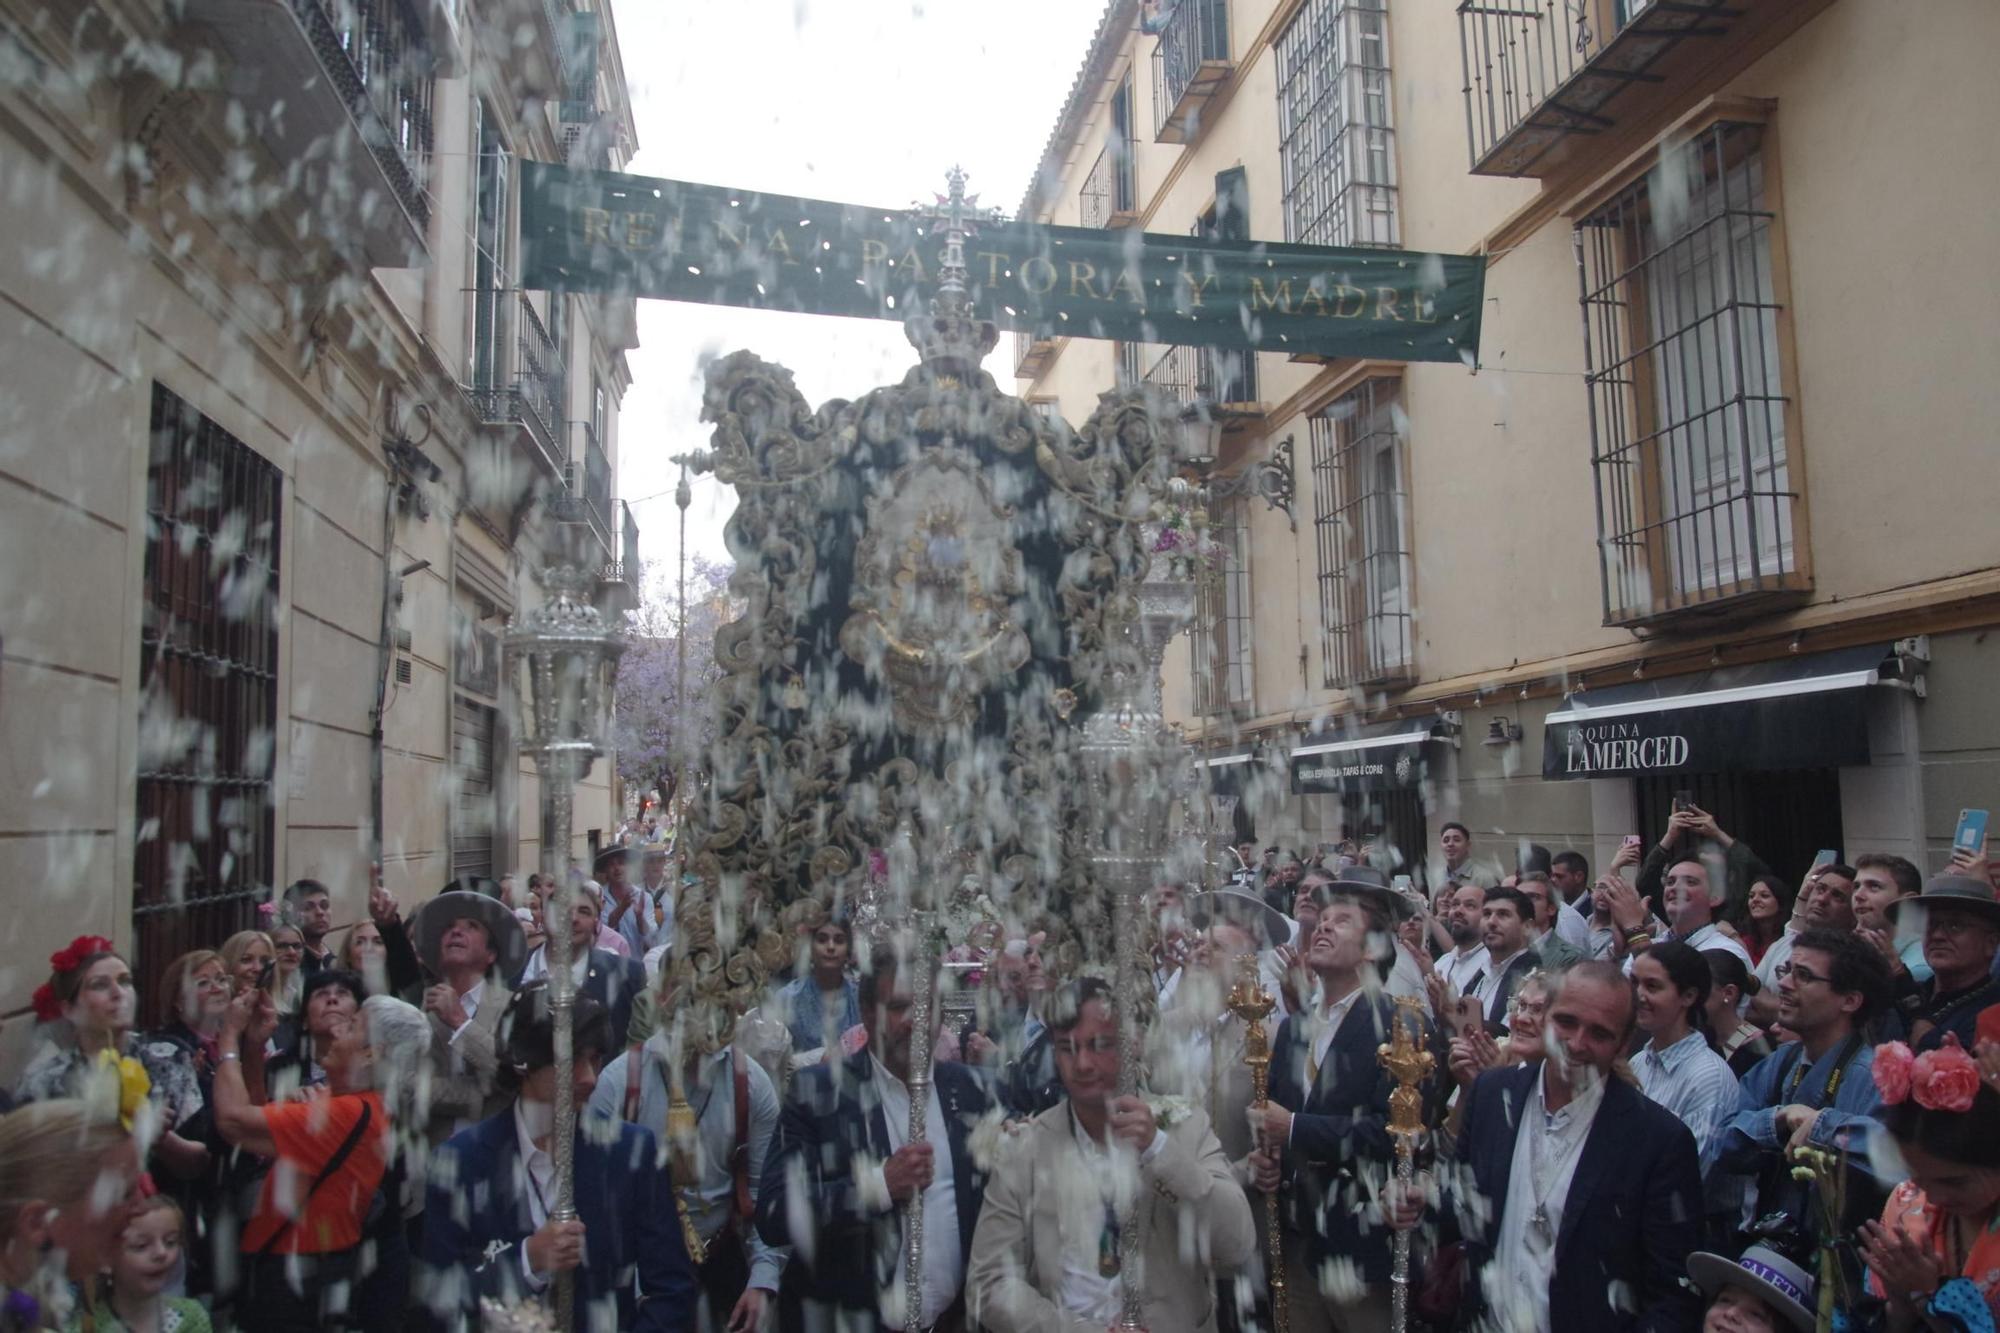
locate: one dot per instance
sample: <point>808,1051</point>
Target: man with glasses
<point>1819,1089</point>
<point>1960,926</point>
<point>1050,1249</point>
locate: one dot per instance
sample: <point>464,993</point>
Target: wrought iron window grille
<point>1336,133</point>
<point>1690,450</point>
<point>1361,536</point>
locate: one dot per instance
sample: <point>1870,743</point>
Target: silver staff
<point>565,658</point>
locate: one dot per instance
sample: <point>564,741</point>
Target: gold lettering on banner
<point>641,230</point>
<point>596,226</point>
<point>993,262</point>
<point>913,266</point>
<point>1312,298</point>
<point>1341,291</point>
<point>1385,304</point>
<point>1130,284</point>
<point>1419,303</point>
<point>735,238</point>
<point>1028,268</point>
<point>874,252</point>
<point>1088,271</point>
<point>1196,285</point>
<point>1281,301</point>
<point>778,245</point>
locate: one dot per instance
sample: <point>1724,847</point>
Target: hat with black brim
<point>434,918</point>
<point>1368,882</point>
<point>1765,1274</point>
<point>1966,891</point>
<point>1246,910</point>
<point>627,854</point>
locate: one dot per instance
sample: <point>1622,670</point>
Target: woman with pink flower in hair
<point>1934,1257</point>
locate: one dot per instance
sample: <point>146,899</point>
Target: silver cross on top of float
<point>961,216</point>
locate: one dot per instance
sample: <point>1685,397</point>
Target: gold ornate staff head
<point>1410,1064</point>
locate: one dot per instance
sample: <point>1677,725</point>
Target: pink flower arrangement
<point>1946,1079</point>
<point>1893,1062</point>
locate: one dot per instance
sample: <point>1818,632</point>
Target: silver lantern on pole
<point>564,656</point>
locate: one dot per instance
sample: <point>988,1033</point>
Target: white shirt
<point>538,965</point>
<point>1495,969</point>
<point>944,1261</point>
<point>1710,937</point>
<point>1329,1023</point>
<point>541,1170</point>
<point>1573,928</point>
<point>1086,1293</point>
<point>470,1003</point>
<point>1461,968</point>
<point>1546,1151</point>
<point>1776,957</point>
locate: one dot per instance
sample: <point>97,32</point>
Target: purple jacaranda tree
<point>653,721</point>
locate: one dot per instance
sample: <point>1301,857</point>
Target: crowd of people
<point>1680,1094</point>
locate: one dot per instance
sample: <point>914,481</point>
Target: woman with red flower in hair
<point>1935,1255</point>
<point>91,1002</point>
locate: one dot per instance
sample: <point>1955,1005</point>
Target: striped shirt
<point>1692,1081</point>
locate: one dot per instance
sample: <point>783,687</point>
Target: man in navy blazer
<point>612,981</point>
<point>1325,1140</point>
<point>487,1230</point>
<point>845,1224</point>
<point>1579,1200</point>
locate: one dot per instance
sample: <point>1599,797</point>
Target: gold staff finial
<point>1249,1001</point>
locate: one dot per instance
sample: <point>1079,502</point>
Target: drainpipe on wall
<point>408,465</point>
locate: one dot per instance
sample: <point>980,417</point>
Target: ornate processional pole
<point>1253,1004</point>
<point>1411,1065</point>
<point>952,341</point>
<point>565,658</point>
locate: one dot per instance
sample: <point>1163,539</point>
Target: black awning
<point>1795,712</point>
<point>1384,756</point>
<point>1225,772</point>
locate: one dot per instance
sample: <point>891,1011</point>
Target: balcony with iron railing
<point>517,388</point>
<point>1220,378</point>
<point>340,90</point>
<point>1190,65</point>
<point>618,577</point>
<point>1547,79</point>
<point>590,483</point>
<point>1032,355</point>
<point>1109,197</point>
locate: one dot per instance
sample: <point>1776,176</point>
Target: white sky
<point>856,101</point>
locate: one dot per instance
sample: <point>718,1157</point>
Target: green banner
<point>600,231</point>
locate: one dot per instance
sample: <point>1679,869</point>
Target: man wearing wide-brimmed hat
<point>1269,930</point>
<point>1763,1289</point>
<point>1406,973</point>
<point>1324,1147</point>
<point>1959,923</point>
<point>471,945</point>
<point>628,909</point>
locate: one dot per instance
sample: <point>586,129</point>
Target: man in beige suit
<point>1046,1256</point>
<point>473,945</point>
